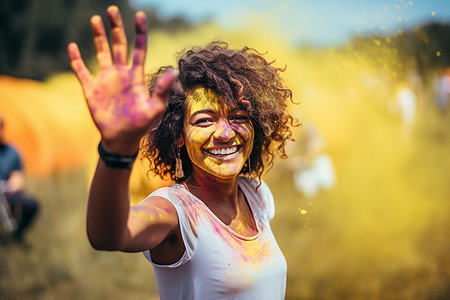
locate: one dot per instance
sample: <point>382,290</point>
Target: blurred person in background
<point>212,123</point>
<point>313,168</point>
<point>404,103</point>
<point>443,90</point>
<point>18,209</point>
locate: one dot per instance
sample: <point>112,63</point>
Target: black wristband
<point>116,161</point>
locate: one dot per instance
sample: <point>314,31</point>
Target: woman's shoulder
<point>255,185</point>
<point>258,192</point>
<point>175,188</point>
<point>176,194</point>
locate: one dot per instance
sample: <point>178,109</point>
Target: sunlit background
<point>363,201</point>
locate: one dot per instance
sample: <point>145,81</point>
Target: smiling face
<point>218,139</point>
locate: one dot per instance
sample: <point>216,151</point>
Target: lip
<point>222,152</point>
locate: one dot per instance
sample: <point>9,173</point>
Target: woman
<point>207,123</point>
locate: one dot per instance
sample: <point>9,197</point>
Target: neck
<point>212,190</point>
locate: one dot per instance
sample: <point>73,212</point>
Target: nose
<point>223,132</point>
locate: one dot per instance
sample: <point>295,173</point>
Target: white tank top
<point>218,263</point>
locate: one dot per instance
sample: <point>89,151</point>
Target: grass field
<point>380,233</point>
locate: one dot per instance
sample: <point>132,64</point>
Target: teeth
<point>223,151</point>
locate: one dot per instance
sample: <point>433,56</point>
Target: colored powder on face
<point>210,124</point>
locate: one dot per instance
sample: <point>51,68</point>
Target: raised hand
<point>117,97</point>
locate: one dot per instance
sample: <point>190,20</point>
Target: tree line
<point>34,33</point>
<point>425,49</point>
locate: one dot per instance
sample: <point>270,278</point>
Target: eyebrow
<point>202,111</point>
<point>210,111</point>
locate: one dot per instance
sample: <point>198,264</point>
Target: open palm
<point>117,97</point>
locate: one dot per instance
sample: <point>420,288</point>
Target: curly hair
<point>245,80</point>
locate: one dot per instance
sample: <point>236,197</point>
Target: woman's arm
<point>123,112</point>
<point>113,225</point>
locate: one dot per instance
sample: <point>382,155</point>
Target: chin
<point>223,173</point>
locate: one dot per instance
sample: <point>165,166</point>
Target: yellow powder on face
<point>209,124</point>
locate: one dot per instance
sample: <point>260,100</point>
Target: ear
<point>180,141</point>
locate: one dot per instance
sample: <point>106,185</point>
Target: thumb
<point>164,84</point>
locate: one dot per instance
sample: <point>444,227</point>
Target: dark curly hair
<point>245,80</point>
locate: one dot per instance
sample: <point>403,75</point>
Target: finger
<point>119,39</point>
<point>140,46</point>
<point>164,84</point>
<point>101,43</point>
<point>77,64</point>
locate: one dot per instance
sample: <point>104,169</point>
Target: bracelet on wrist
<point>116,161</point>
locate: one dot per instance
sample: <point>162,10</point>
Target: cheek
<point>245,132</point>
<point>195,139</point>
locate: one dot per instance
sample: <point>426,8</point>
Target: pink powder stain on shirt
<point>251,254</point>
<point>248,251</point>
<point>192,209</point>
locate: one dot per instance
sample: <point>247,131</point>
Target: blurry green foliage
<point>34,33</point>
<point>425,48</point>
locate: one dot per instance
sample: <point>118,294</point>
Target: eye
<point>240,118</point>
<point>203,121</point>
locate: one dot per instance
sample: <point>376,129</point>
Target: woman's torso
<point>218,262</point>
